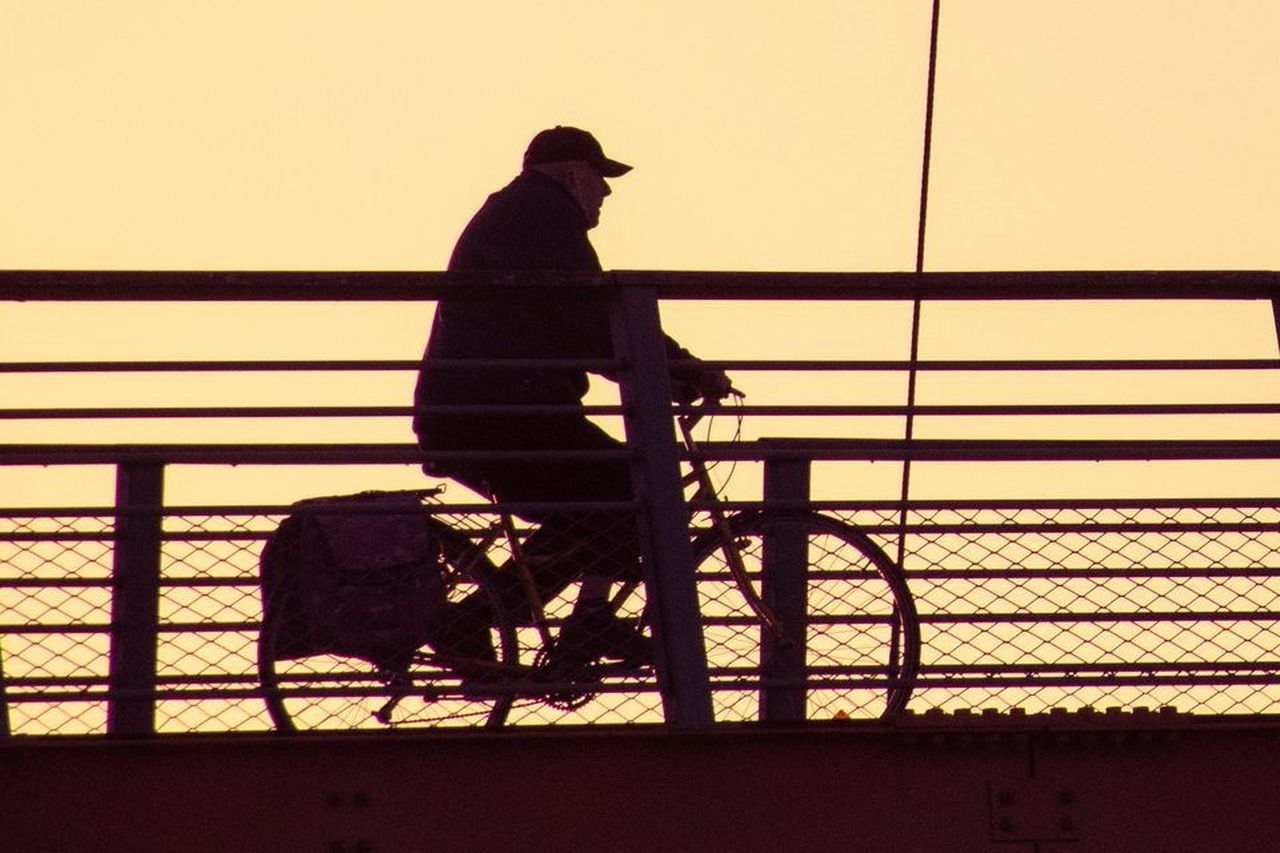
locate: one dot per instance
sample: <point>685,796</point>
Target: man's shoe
<point>593,632</point>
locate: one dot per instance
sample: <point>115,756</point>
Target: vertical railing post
<point>784,584</point>
<point>135,599</point>
<point>4,698</point>
<point>645,385</point>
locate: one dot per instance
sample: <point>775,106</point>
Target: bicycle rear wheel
<point>334,692</point>
<point>849,644</point>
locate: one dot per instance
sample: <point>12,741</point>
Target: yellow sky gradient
<point>1069,134</point>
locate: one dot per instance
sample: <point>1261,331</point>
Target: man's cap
<point>560,144</point>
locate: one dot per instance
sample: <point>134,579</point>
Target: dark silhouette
<point>539,222</point>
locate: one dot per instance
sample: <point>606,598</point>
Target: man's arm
<point>690,377</point>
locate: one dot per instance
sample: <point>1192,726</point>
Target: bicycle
<point>386,674</point>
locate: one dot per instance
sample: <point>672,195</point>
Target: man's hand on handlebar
<point>710,386</point>
<point>714,385</point>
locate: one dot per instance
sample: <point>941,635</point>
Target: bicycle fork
<point>700,477</point>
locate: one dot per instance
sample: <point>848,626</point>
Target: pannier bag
<point>354,575</point>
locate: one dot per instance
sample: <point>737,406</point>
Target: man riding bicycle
<point>539,222</point>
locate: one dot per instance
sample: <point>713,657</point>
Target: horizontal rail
<point>1111,666</point>
<point>1108,617</point>
<point>836,449</point>
<point>147,412</point>
<point>1130,573</point>
<point>365,508</point>
<point>923,410</point>
<point>265,454</point>
<point>291,365</point>
<point>894,506</point>
<point>1015,680</point>
<point>152,286</point>
<point>843,365</point>
<point>105,582</point>
<point>931,530</point>
<point>928,670</point>
<point>996,450</point>
<point>1191,681</point>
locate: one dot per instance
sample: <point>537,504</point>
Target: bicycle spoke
<point>846,640</point>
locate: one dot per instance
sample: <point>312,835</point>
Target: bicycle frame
<point>705,491</point>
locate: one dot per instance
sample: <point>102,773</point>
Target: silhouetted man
<point>539,222</point>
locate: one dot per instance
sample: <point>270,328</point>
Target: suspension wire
<point>915,307</point>
<point>928,134</point>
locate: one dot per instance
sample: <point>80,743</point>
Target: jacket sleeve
<point>598,337</point>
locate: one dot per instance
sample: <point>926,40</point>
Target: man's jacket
<point>532,225</point>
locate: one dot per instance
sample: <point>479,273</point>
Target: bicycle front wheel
<point>338,692</point>
<point>837,636</point>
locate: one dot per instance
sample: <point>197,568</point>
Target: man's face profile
<point>588,187</point>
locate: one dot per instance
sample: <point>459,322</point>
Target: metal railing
<point>141,616</point>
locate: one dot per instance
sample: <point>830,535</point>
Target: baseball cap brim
<point>612,168</point>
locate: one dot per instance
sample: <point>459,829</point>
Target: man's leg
<point>596,546</point>
<point>593,545</point>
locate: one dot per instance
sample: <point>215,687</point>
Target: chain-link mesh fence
<point>371,641</point>
<point>55,594</point>
<point>1018,607</point>
<point>1095,606</point>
